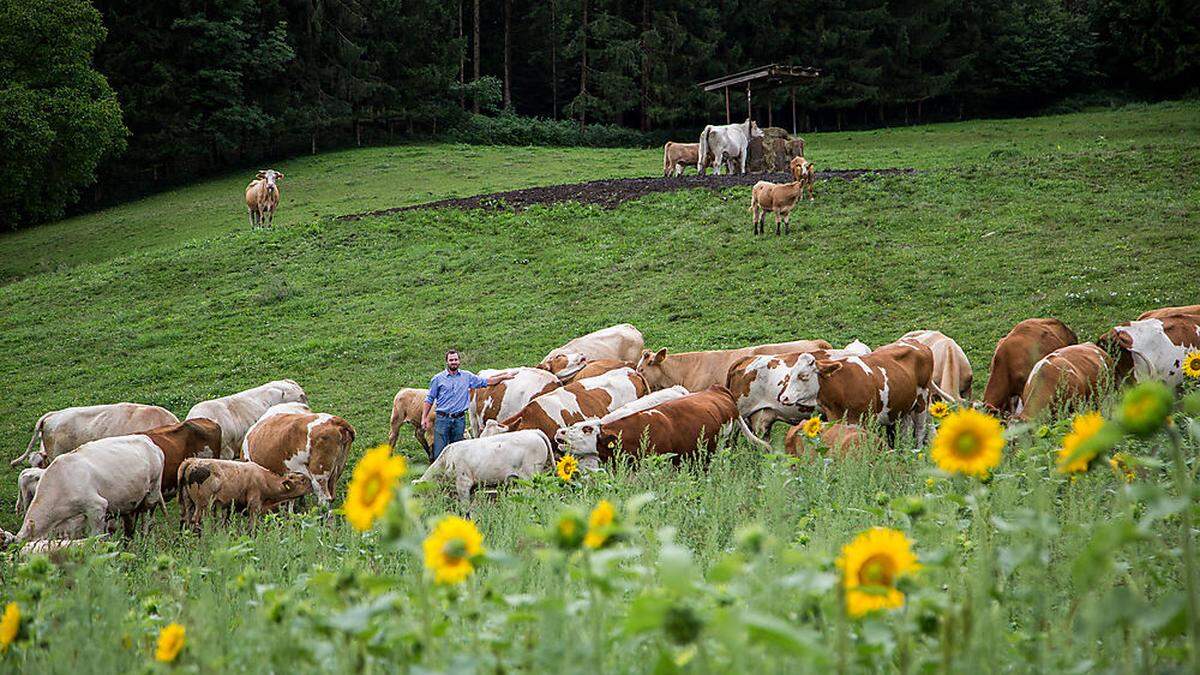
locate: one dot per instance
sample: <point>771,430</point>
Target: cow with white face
<point>1154,348</point>
<point>590,397</point>
<point>573,435</point>
<point>891,385</point>
<point>236,413</point>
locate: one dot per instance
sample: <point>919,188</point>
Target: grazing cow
<point>1063,377</point>
<point>193,437</point>
<point>1153,349</point>
<point>682,427</point>
<point>236,413</point>
<point>700,370</point>
<point>677,156</point>
<point>1165,312</point>
<point>593,397</point>
<point>262,196</point>
<point>206,483</point>
<point>407,407</point>
<point>313,444</point>
<point>119,476</point>
<point>778,198</point>
<point>27,483</point>
<point>951,369</point>
<point>891,385</point>
<point>64,430</point>
<point>725,144</point>
<point>757,381</point>
<point>838,439</point>
<point>805,173</point>
<point>621,342</point>
<point>506,398</point>
<point>646,402</point>
<point>490,461</point>
<point>1013,360</point>
<point>598,367</point>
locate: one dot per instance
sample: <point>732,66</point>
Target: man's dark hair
<point>451,351</point>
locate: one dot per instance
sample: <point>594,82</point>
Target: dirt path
<point>613,192</point>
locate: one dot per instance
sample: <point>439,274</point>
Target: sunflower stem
<point>1183,478</point>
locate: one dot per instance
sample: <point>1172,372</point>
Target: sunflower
<point>570,530</point>
<point>10,625</point>
<point>373,485</point>
<point>170,642</point>
<point>939,409</point>
<point>1071,458</point>
<point>599,524</point>
<point>568,466</point>
<point>1191,364</point>
<point>450,548</point>
<point>811,426</point>
<point>968,442</point>
<point>1122,467</point>
<point>871,565</point>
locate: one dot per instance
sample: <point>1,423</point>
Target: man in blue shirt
<point>449,394</point>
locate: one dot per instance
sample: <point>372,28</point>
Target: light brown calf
<point>312,444</point>
<point>207,483</point>
<point>838,439</point>
<point>1065,377</point>
<point>777,198</point>
<point>406,409</point>
<point>678,155</point>
<point>805,173</point>
<point>1013,360</point>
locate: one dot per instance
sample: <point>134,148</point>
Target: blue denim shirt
<point>450,393</point>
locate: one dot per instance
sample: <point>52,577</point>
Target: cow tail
<point>37,433</point>
<point>942,392</point>
<point>754,440</point>
<point>700,161</point>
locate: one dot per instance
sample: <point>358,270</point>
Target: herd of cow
<point>595,397</point>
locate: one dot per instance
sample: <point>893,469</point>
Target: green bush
<point>509,129</point>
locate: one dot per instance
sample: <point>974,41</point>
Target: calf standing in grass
<point>262,196</point>
<point>779,199</point>
<point>205,483</point>
<point>804,172</point>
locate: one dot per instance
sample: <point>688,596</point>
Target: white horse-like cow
<point>491,460</point>
<point>61,431</point>
<point>236,413</point>
<point>726,143</point>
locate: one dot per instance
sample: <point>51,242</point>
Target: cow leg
<point>463,484</point>
<point>890,433</point>
<point>250,214</point>
<point>422,440</point>
<point>776,223</point>
<point>745,155</point>
<point>787,222</point>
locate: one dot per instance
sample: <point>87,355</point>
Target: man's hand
<point>426,422</point>
<point>497,379</point>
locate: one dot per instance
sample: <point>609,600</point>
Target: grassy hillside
<point>1091,218</point>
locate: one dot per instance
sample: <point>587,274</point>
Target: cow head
<point>564,365</point>
<point>803,381</point>
<point>493,427</point>
<point>649,366</point>
<point>293,485</point>
<point>326,458</point>
<point>581,439</point>
<point>1118,344</point>
<point>269,176</point>
<point>755,132</point>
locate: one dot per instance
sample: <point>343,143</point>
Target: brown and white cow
<point>700,370</point>
<point>805,173</point>
<point>195,437</point>
<point>1164,312</point>
<point>598,367</point>
<point>677,156</point>
<point>951,369</point>
<point>682,427</point>
<point>592,397</point>
<point>508,397</point>
<point>622,342</point>
<point>262,197</point>
<point>61,431</point>
<point>1153,349</point>
<point>313,444</point>
<point>890,385</point>
<point>1016,353</point>
<point>777,198</point>
<point>757,381</point>
<point>838,439</point>
<point>1064,377</point>
<point>407,406</point>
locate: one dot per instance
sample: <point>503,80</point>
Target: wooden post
<point>728,119</point>
<point>770,120</point>
<point>749,115</point>
<point>794,111</point>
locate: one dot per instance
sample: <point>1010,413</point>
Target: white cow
<point>499,401</point>
<point>119,476</point>
<point>726,143</point>
<point>589,397</point>
<point>62,431</point>
<point>27,484</point>
<point>236,413</point>
<point>491,461</point>
<point>951,369</point>
<point>621,342</point>
<point>295,407</point>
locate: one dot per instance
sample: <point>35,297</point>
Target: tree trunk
<point>475,61</point>
<point>645,66</point>
<point>462,62</point>
<point>507,54</point>
<point>554,57</point>
<point>583,68</point>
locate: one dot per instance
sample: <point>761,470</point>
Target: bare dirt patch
<point>611,193</point>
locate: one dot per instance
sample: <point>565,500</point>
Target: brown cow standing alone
<point>779,199</point>
<point>262,196</point>
<point>804,172</point>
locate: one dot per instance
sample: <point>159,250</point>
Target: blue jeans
<point>447,430</point>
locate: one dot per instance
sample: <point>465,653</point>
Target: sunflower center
<point>967,445</point>
<point>878,570</point>
<point>372,488</point>
<point>454,550</point>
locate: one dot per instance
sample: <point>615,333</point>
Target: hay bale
<point>778,152</point>
<point>756,160</point>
